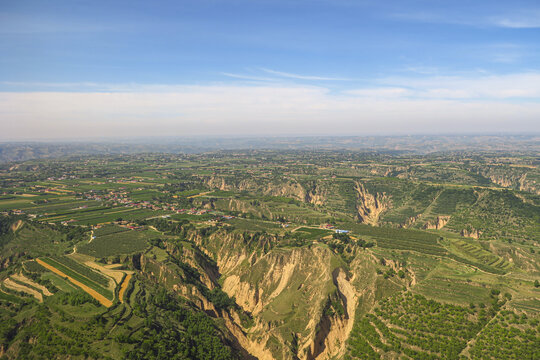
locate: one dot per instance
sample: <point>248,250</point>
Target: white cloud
<point>302,77</point>
<point>492,87</point>
<point>248,77</point>
<point>390,92</point>
<point>523,20</point>
<point>252,110</point>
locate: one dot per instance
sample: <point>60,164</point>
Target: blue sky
<point>268,67</point>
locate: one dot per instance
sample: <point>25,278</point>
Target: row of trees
<point>420,328</point>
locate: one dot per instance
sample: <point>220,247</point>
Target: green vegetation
<point>314,233</point>
<point>33,267</point>
<point>79,277</point>
<point>420,241</point>
<point>418,327</point>
<point>125,242</point>
<point>126,331</point>
<point>441,260</point>
<point>450,200</point>
<point>184,333</point>
<point>82,270</point>
<point>108,230</point>
<point>509,335</point>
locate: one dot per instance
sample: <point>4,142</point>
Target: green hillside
<point>271,255</point>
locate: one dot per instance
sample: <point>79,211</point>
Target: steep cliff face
<point>303,289</point>
<point>216,183</point>
<point>170,276</point>
<point>316,196</point>
<point>516,181</point>
<point>438,223</point>
<point>411,221</point>
<point>501,180</point>
<point>287,288</point>
<point>528,185</point>
<point>246,206</point>
<point>312,194</point>
<point>472,233</point>
<point>337,321</point>
<point>369,206</point>
<point>208,272</point>
<point>301,299</point>
<point>221,183</point>
<point>380,170</point>
<point>515,177</point>
<point>287,189</point>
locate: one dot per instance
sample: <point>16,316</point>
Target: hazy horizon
<point>409,144</point>
<point>157,139</point>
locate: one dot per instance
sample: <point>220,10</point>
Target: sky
<point>107,69</point>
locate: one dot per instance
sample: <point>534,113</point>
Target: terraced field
<point>123,287</point>
<point>253,224</point>
<point>510,335</point>
<point>475,253</point>
<point>102,215</point>
<point>401,239</point>
<point>108,230</point>
<point>451,200</point>
<point>312,233</point>
<point>99,293</point>
<point>15,285</point>
<point>28,282</point>
<point>417,327</point>
<point>83,270</point>
<point>124,242</point>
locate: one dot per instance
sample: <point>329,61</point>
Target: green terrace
<point>81,273</point>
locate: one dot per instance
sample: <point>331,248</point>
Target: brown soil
<point>102,299</point>
<point>123,287</point>
<point>26,280</point>
<point>18,287</point>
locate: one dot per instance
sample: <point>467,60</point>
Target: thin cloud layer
<point>488,87</point>
<point>252,110</point>
<point>303,77</point>
<point>478,86</point>
<point>522,19</point>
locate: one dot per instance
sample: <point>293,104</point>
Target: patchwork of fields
<point>99,293</point>
<point>286,255</point>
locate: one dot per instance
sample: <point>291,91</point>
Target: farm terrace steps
<point>99,297</point>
